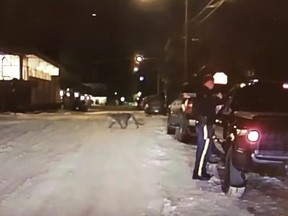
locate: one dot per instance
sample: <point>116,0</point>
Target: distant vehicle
<point>252,127</point>
<point>180,120</point>
<point>154,104</point>
<point>81,103</point>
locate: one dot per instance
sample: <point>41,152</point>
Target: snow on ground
<point>73,165</point>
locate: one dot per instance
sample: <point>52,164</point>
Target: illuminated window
<point>10,67</point>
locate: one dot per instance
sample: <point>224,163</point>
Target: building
<point>28,81</point>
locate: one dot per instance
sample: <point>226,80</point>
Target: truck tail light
<point>285,85</point>
<point>188,107</point>
<point>253,136</point>
<point>188,104</point>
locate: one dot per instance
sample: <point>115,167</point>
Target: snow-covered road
<point>73,165</point>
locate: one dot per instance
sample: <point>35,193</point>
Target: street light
<point>76,94</point>
<point>135,69</point>
<point>139,58</point>
<point>141,78</point>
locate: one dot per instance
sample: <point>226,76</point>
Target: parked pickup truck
<point>180,120</point>
<point>252,127</point>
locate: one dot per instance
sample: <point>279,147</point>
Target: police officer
<point>204,112</point>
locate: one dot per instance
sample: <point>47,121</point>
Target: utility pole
<point>158,82</point>
<point>185,75</point>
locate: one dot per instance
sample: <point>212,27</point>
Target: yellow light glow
<point>36,63</point>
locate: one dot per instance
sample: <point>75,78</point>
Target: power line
<point>213,5</point>
<point>216,6</point>
<point>202,11</point>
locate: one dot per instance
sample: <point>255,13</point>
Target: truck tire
<point>170,129</point>
<point>234,183</point>
<point>182,133</point>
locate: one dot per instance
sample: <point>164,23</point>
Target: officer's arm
<point>201,99</point>
<point>218,101</point>
<point>201,112</point>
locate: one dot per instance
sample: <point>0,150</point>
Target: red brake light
<point>253,136</point>
<point>285,85</point>
<point>188,105</point>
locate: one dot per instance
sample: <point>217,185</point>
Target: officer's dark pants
<point>205,135</point>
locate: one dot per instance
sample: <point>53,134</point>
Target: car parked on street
<point>154,105</point>
<point>82,103</point>
<point>252,127</point>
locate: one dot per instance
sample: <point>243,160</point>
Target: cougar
<point>123,118</point>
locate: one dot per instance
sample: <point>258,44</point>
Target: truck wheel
<point>170,130</point>
<point>183,135</point>
<point>234,183</point>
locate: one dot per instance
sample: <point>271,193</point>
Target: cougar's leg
<point>120,123</point>
<point>126,122</point>
<point>135,121</point>
<point>112,123</point>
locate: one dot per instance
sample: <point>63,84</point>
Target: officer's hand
<point>219,95</point>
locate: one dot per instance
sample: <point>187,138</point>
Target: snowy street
<point>73,165</point>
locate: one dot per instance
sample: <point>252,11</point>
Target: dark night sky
<point>120,28</point>
<point>251,34</point>
<point>101,47</point>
